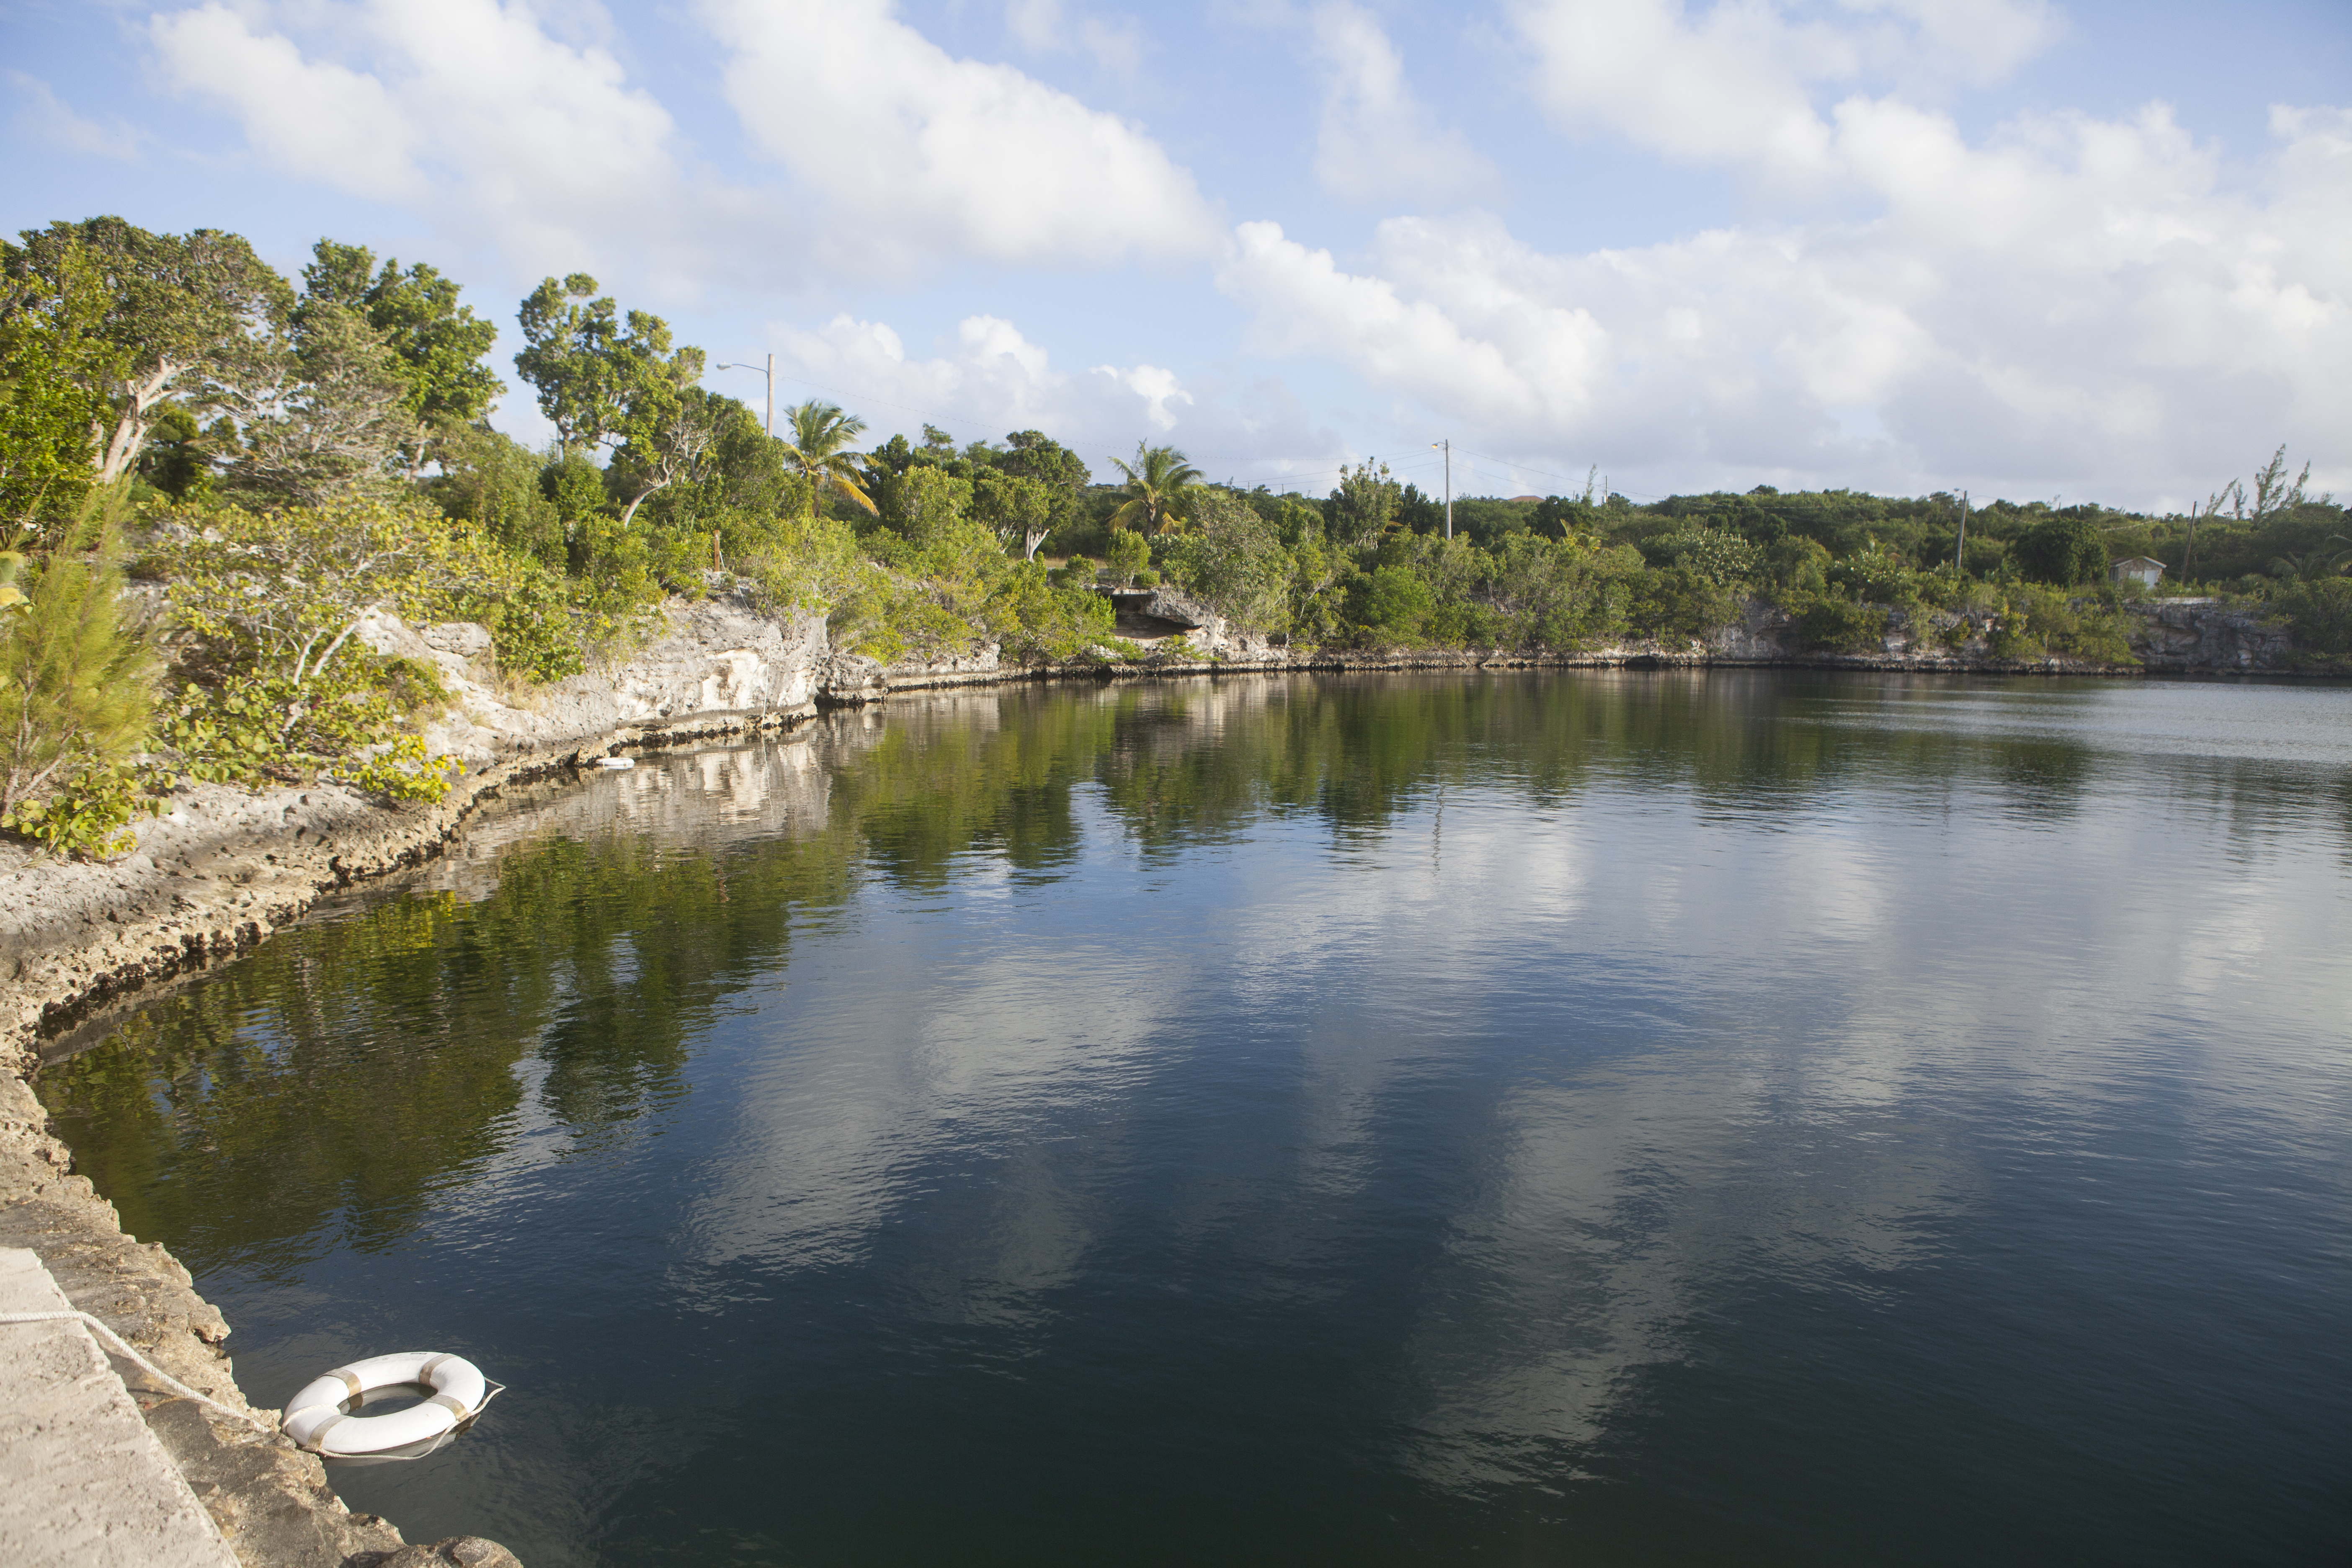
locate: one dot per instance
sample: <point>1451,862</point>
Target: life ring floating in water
<point>317,1419</point>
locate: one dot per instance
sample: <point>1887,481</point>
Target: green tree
<point>819,448</point>
<point>1018,508</point>
<point>1128,554</point>
<point>575,488</point>
<point>668,431</point>
<point>164,315</point>
<point>1159,490</point>
<point>925,504</point>
<point>2064,548</point>
<point>1395,605</point>
<point>1033,454</point>
<point>76,681</point>
<point>438,343</point>
<point>570,345</point>
<point>183,456</point>
<point>490,480</point>
<point>588,364</point>
<point>1722,557</point>
<point>606,380</point>
<point>1362,508</point>
<point>48,418</point>
<point>1232,558</point>
<point>329,415</point>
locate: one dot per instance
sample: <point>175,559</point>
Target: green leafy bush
<point>1875,574</point>
<point>1675,601</point>
<point>1126,554</point>
<point>2038,622</point>
<point>1394,605</point>
<point>1841,626</point>
<point>1718,556</point>
<point>1034,619</point>
<point>90,816</point>
<point>2318,614</point>
<point>272,680</point>
<point>2065,548</point>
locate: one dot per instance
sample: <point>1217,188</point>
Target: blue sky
<point>2081,251</point>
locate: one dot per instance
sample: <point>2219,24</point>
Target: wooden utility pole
<point>1446,445</point>
<point>1961,550</point>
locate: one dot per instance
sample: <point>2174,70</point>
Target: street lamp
<point>772,389</point>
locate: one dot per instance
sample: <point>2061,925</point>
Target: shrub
<point>1035,619</point>
<point>2318,614</point>
<point>2037,622</point>
<point>1675,601</point>
<point>2064,549</point>
<point>1841,626</point>
<point>1394,605</point>
<point>90,816</point>
<point>76,688</point>
<point>1232,559</point>
<point>272,681</point>
<point>1714,554</point>
<point>1125,554</point>
<point>1798,566</point>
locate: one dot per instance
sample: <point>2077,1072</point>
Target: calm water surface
<point>1572,1119</point>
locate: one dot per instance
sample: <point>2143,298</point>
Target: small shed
<point>2138,569</point>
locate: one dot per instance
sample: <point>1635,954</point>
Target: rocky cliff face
<point>2178,635</point>
<point>710,656</point>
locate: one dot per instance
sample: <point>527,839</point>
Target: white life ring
<point>316,1419</point>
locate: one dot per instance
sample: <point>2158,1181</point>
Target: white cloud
<point>529,132</point>
<point>1376,139</point>
<point>1046,25</point>
<point>471,110</point>
<point>1477,343</point>
<point>2082,303</point>
<point>46,117</point>
<point>1735,83</point>
<point>312,118</point>
<point>922,155</point>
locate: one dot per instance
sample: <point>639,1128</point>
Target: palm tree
<point>2316,562</point>
<point>820,436</point>
<point>1159,490</point>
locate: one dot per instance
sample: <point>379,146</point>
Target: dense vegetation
<point>210,474</point>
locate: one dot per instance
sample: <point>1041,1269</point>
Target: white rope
<point>165,1378</point>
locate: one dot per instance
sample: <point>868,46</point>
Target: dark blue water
<point>1580,1118</point>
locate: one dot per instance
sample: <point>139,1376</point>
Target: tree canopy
<point>139,317</point>
<point>438,343</point>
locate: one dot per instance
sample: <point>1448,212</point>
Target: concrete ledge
<point>268,1500</point>
<point>89,1486</point>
